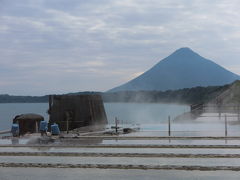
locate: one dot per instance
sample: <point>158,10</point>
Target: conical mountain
<point>182,69</point>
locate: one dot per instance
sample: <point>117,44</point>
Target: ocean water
<point>9,110</point>
<point>127,113</point>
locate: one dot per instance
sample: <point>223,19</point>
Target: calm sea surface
<point>143,113</point>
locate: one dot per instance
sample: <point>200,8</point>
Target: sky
<point>62,46</point>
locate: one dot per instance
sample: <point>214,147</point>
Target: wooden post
<point>67,114</point>
<point>50,102</point>
<point>219,112</point>
<point>36,126</point>
<point>225,125</point>
<point>116,124</point>
<point>67,124</point>
<point>169,126</point>
<point>238,113</point>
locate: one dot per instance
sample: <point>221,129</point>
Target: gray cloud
<point>57,46</point>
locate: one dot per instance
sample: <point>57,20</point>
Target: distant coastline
<point>5,98</point>
<point>183,96</point>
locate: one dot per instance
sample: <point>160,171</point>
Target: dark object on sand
<point>130,130</point>
<point>55,129</point>
<point>75,111</point>
<point>15,130</point>
<point>43,127</point>
<point>28,123</point>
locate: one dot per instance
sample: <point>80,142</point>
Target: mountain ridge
<point>184,68</point>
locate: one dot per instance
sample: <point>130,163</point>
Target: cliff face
<point>182,69</point>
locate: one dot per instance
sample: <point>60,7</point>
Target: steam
<point>143,113</point>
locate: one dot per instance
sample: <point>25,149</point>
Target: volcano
<point>182,69</point>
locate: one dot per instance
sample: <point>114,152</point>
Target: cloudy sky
<point>60,46</point>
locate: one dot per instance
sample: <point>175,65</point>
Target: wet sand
<point>110,174</point>
<point>140,155</point>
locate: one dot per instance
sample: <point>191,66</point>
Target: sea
<point>126,113</point>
